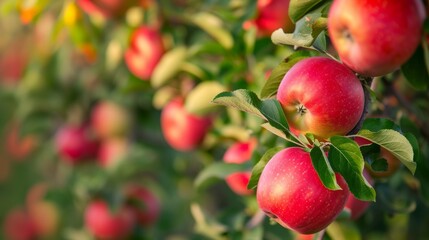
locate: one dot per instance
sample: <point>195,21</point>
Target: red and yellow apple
<point>112,151</point>
<point>18,225</point>
<point>144,52</point>
<point>19,147</point>
<point>238,153</point>
<point>182,130</point>
<point>321,96</point>
<point>110,120</point>
<point>144,203</point>
<point>271,15</point>
<point>106,224</point>
<point>376,37</point>
<point>355,206</point>
<point>290,191</point>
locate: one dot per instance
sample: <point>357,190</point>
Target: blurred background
<point>105,118</point>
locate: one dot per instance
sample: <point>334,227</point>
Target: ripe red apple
<point>145,50</point>
<point>76,143</point>
<point>393,164</point>
<point>355,206</point>
<point>112,151</point>
<point>271,15</point>
<point>183,131</point>
<point>321,96</point>
<point>375,38</point>
<point>105,224</point>
<point>145,204</point>
<point>110,120</point>
<point>239,152</point>
<point>290,191</point>
<point>18,225</point>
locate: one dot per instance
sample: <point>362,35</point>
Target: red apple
<point>76,143</point>
<point>112,151</point>
<point>321,96</point>
<point>304,236</point>
<point>182,130</point>
<point>145,50</point>
<point>105,224</point>
<point>13,61</point>
<point>110,120</point>
<point>271,15</point>
<point>355,206</point>
<point>144,203</point>
<point>239,152</point>
<point>19,147</point>
<point>290,191</point>
<point>376,37</point>
<point>18,225</point>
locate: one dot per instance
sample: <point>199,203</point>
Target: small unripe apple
<point>182,130</point>
<point>110,120</point>
<point>321,96</point>
<point>112,151</point>
<point>271,15</point>
<point>145,51</point>
<point>105,224</point>
<point>145,204</point>
<point>76,143</point>
<point>355,206</point>
<point>290,191</point>
<point>375,38</point>
<point>238,153</point>
<point>18,225</point>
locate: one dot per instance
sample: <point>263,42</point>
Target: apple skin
<point>112,151</point>
<point>238,153</point>
<point>290,191</point>
<point>271,15</point>
<point>375,38</point>
<point>76,144</point>
<point>18,225</point>
<point>330,94</point>
<point>145,204</point>
<point>104,224</point>
<point>183,131</point>
<point>393,164</point>
<point>145,51</point>
<point>110,120</point>
<point>355,206</point>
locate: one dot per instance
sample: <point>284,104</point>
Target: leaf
<point>324,169</point>
<point>299,8</point>
<point>259,167</point>
<point>198,101</point>
<point>415,70</point>
<point>276,76</point>
<point>346,158</point>
<point>169,65</point>
<point>214,27</point>
<point>218,170</point>
<point>393,142</point>
<point>377,124</point>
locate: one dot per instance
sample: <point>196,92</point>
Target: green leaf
<point>169,65</point>
<point>199,99</point>
<point>377,124</point>
<point>257,169</point>
<point>345,157</point>
<point>379,165</point>
<point>415,70</point>
<point>324,169</point>
<point>393,142</point>
<point>276,76</point>
<point>218,170</point>
<point>299,8</point>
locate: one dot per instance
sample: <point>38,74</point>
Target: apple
<point>355,206</point>
<point>290,191</point>
<point>110,120</point>
<point>375,38</point>
<point>18,225</point>
<point>238,153</point>
<point>145,204</point>
<point>393,164</point>
<point>112,151</point>
<point>304,236</point>
<point>144,52</point>
<point>76,143</point>
<point>271,15</point>
<point>105,224</point>
<point>321,96</point>
<point>13,61</point>
<point>182,130</point>
<point>19,147</point>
